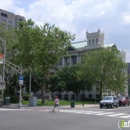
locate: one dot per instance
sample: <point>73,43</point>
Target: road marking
<point>93,112</point>
<point>118,114</point>
<point>4,109</point>
<point>128,117</point>
<point>98,113</point>
<point>105,113</point>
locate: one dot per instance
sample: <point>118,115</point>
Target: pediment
<point>71,49</point>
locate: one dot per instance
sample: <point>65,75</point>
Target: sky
<point>112,17</point>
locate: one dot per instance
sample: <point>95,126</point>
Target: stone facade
<point>95,40</point>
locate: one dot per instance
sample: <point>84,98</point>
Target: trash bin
<point>72,104</point>
<point>32,101</point>
<point>7,101</point>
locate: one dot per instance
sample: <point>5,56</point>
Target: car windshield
<point>121,98</point>
<point>107,98</point>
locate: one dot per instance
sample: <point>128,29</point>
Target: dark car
<point>123,100</point>
<point>109,101</point>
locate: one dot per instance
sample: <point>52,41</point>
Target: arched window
<point>89,42</point>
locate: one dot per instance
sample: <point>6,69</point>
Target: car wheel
<point>112,105</point>
<point>124,104</point>
<point>100,106</point>
<point>128,104</point>
<point>117,105</point>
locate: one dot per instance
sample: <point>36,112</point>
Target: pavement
<point>15,106</point>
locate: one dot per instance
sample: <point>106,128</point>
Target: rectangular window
<point>74,59</point>
<point>89,42</point>
<point>20,19</point>
<point>82,97</point>
<point>59,96</point>
<point>96,41</point>
<point>97,88</point>
<point>66,97</point>
<point>93,41</point>
<point>72,97</point>
<point>90,95</point>
<point>97,95</point>
<point>10,22</point>
<point>60,62</point>
<point>67,60</point>
<point>4,20</point>
<point>4,15</point>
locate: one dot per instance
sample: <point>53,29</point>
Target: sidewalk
<point>15,106</point>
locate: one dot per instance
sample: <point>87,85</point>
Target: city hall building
<point>95,40</point>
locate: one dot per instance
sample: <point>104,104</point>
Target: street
<point>42,118</point>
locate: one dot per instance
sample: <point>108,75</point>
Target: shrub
<point>26,97</point>
<point>13,99</point>
<point>92,99</point>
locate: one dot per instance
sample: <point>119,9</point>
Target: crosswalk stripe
<point>93,112</point>
<point>7,109</point>
<point>100,113</point>
<point>105,113</point>
<point>128,117</point>
<point>12,109</point>
<point>119,114</point>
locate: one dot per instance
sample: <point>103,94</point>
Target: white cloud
<point>10,6</point>
<point>6,5</point>
<point>126,19</point>
<point>77,16</point>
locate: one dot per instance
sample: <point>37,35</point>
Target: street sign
<point>21,80</point>
<point>1,58</point>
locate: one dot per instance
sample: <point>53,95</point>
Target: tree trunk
<point>100,93</point>
<point>77,97</point>
<point>43,91</point>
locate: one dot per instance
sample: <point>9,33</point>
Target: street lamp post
<point>20,85</point>
<point>83,98</point>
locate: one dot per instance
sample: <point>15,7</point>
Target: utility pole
<point>19,71</point>
<point>14,67</point>
<point>20,89</point>
<point>30,84</point>
<point>3,69</point>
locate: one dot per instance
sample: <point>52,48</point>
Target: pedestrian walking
<point>56,104</point>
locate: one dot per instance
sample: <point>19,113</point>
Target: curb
<point>15,106</point>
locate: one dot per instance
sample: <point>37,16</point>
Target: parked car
<point>124,100</point>
<point>109,101</point>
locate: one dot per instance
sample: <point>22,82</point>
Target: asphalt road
<point>66,119</point>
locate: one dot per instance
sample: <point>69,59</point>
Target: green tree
<point>104,68</point>
<point>34,86</point>
<point>56,84</point>
<point>68,78</point>
<point>40,48</point>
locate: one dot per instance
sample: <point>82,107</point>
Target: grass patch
<point>62,103</point>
